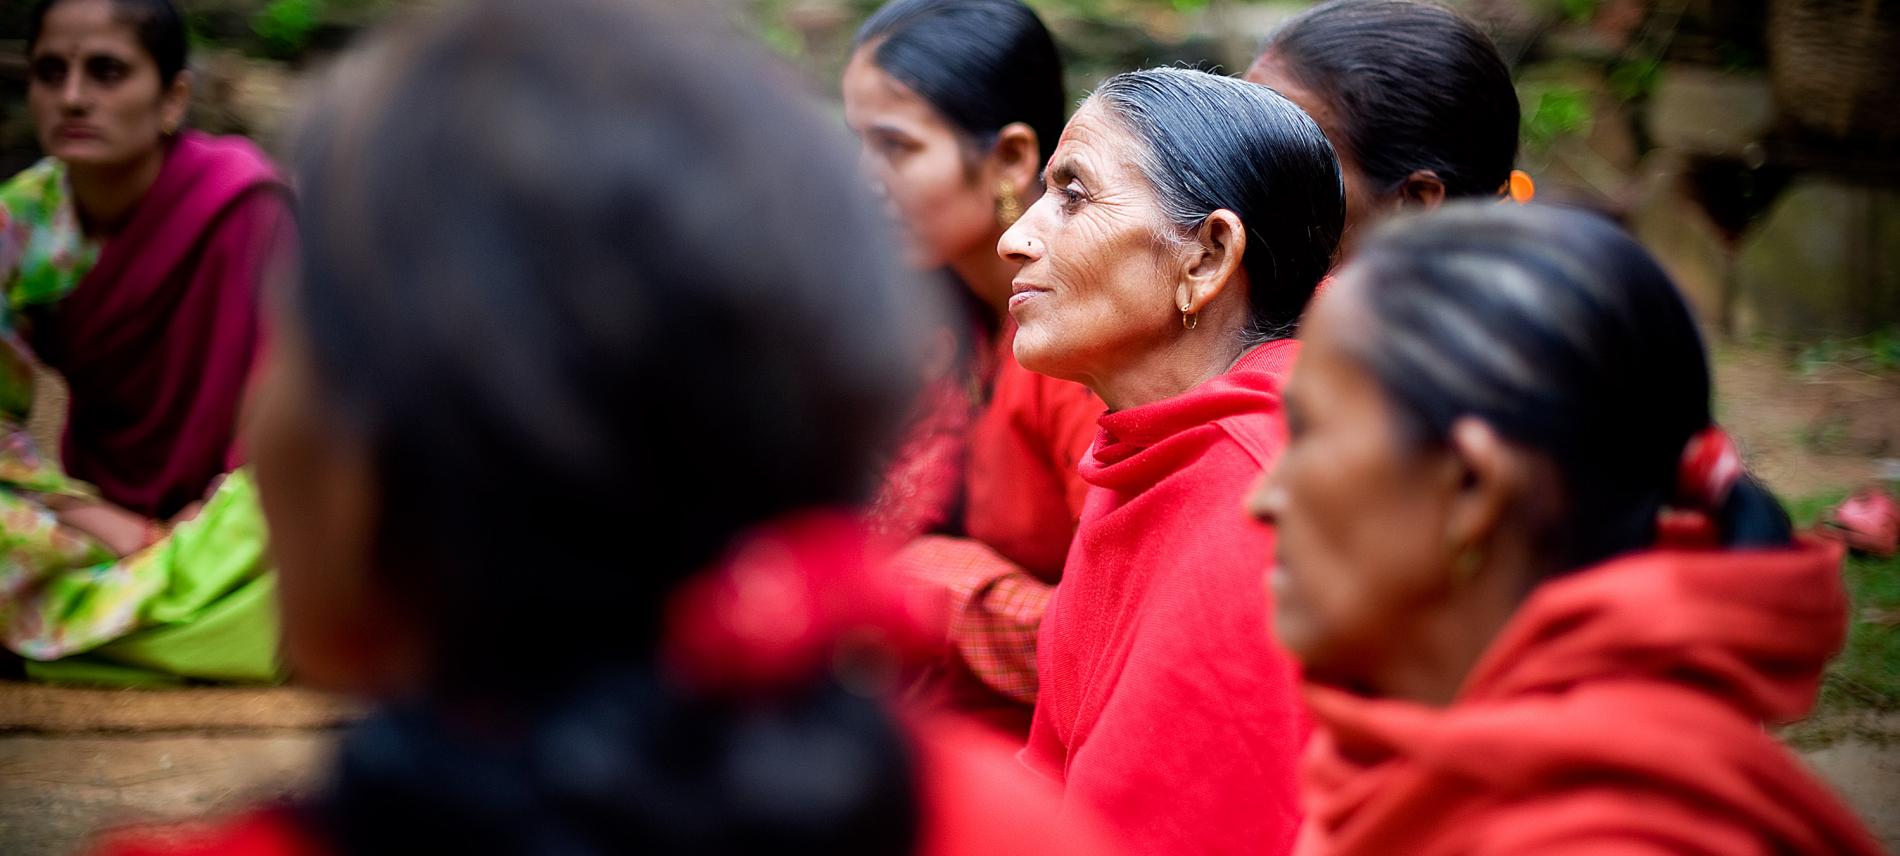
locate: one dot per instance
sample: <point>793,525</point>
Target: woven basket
<point>1835,65</point>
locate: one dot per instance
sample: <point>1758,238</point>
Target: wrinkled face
<point>922,166</point>
<point>94,91</point>
<point>1364,203</point>
<point>1359,508</point>
<point>1099,262</point>
<point>341,631</point>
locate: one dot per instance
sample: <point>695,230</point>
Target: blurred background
<point>1748,143</point>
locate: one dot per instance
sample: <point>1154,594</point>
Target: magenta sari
<point>157,342</point>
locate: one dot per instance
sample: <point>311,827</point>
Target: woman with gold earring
<point>1529,622</point>
<point>131,259</point>
<point>958,105</point>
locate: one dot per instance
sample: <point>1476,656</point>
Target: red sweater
<point>1165,706</point>
<point>1620,711</point>
<point>1023,497</point>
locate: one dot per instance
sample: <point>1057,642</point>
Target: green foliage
<point>1875,352</point>
<point>1579,11</point>
<point>1634,79</point>
<point>1552,112</point>
<point>285,26</point>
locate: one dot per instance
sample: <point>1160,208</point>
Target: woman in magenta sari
<point>131,259</point>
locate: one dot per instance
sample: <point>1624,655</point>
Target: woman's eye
<point>49,70</point>
<point>1071,198</point>
<point>106,70</point>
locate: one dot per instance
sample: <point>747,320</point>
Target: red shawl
<point>1165,706</point>
<point>157,342</point>
<point>1621,710</point>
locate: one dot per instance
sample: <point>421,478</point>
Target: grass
<point>1865,677</point>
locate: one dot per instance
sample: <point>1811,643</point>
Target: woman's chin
<point>1036,353</point>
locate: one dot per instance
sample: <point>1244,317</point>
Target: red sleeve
<point>271,832</point>
<point>992,608</point>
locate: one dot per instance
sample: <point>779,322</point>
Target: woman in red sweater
<point>1540,606</point>
<point>1188,219</point>
<point>957,104</point>
<point>590,350</point>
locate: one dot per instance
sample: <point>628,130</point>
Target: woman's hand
<point>121,531</point>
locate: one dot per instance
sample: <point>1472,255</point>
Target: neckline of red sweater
<point>1130,438</point>
<point>1726,625</point>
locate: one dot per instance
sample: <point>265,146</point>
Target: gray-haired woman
<point>1187,221</point>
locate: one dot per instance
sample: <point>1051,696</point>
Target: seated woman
<point>1413,96</point>
<point>131,259</point>
<point>635,298</point>
<point>1188,220</point>
<point>957,104</point>
<point>1531,621</point>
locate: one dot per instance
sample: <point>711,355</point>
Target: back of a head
<point>1562,333</point>
<point>1416,85</point>
<point>983,64</point>
<point>1212,142</point>
<point>598,296</point>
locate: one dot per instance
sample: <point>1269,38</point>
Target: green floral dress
<point>196,605</point>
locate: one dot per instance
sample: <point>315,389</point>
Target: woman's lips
<point>75,132</point>
<point>1021,293</point>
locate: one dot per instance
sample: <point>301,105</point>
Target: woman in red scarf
<point>1188,219</point>
<point>1540,607</point>
<point>668,637</point>
<point>154,243</point>
<point>957,104</point>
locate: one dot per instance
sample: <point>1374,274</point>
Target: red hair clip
<point>1710,468</point>
<point>790,600</point>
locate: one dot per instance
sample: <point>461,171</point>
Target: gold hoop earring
<point>1189,320</point>
<point>1009,209</point>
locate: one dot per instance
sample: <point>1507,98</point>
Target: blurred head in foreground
<point>584,297</point>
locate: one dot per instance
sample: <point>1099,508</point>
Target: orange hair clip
<point>1518,188</point>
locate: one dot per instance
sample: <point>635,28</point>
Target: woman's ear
<point>1423,189</point>
<point>1492,475</point>
<point>1017,158</point>
<point>1212,261</point>
<point>173,102</point>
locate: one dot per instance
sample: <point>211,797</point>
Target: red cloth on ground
<point>157,342</point>
<point>975,800</point>
<point>1620,711</point>
<point>1165,705</point>
<point>1023,497</point>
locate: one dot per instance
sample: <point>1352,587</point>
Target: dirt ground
<point>75,761</point>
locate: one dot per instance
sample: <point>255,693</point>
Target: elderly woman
<point>1413,97</point>
<point>1531,623</point>
<point>957,104</point>
<point>131,259</point>
<point>1188,219</point>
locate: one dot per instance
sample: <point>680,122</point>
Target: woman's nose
<point>1018,244</point>
<point>72,93</point>
<point>1264,501</point>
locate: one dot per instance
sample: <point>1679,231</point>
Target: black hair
<point>1416,86</point>
<point>1563,334</point>
<point>596,300</point>
<point>983,64</point>
<point>160,28</point>
<point>1210,143</point>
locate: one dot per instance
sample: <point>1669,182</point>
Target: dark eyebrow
<point>1063,171</point>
